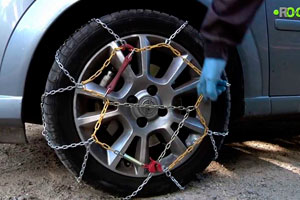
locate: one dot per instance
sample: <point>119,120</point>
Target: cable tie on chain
<point>107,92</point>
<point>131,53</point>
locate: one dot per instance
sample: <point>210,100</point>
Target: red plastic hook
<point>125,63</point>
<point>127,46</point>
<point>153,166</point>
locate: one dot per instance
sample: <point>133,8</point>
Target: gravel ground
<point>259,165</point>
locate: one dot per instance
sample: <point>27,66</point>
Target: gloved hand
<point>211,85</point>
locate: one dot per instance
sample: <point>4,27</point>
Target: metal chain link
<point>60,90</point>
<point>64,147</point>
<point>45,133</point>
<point>168,174</point>
<point>133,194</point>
<point>168,41</point>
<point>174,135</point>
<point>91,140</point>
<point>213,142</point>
<point>218,133</point>
<point>152,106</point>
<point>117,37</point>
<point>61,66</point>
<point>85,159</point>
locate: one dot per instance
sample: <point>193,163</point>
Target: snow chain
<point>107,102</point>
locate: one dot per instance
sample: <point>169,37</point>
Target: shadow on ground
<point>260,160</point>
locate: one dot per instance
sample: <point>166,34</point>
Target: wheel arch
<point>22,45</point>
<point>57,32</point>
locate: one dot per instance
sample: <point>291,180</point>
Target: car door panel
<point>284,45</point>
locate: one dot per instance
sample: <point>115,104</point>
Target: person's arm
<point>224,26</point>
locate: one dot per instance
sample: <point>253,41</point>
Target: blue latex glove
<point>211,85</point>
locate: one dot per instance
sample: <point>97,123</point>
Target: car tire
<point>59,108</point>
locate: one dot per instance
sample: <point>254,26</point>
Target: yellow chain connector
<point>98,124</point>
<point>106,63</point>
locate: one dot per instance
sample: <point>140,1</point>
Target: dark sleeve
<point>225,25</point>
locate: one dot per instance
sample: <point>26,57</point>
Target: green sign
<point>287,12</point>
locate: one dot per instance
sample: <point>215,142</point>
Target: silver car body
<point>23,33</point>
<point>24,23</point>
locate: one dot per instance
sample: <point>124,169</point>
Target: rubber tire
<point>74,54</point>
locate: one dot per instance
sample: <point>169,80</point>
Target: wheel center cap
<point>149,113</point>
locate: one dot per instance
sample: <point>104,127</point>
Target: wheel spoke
<point>118,59</point>
<point>177,146</point>
<point>187,87</point>
<point>92,117</point>
<point>121,144</point>
<point>88,118</point>
<point>85,93</point>
<point>95,87</point>
<point>144,56</point>
<point>110,115</point>
<point>190,123</point>
<point>142,153</point>
<point>176,67</point>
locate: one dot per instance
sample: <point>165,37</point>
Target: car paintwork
<point>11,12</point>
<point>18,53</point>
<point>253,52</point>
<point>284,51</point>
